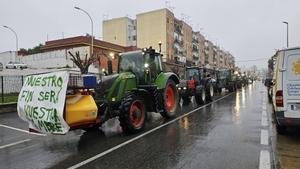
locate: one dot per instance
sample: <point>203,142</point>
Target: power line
<point>253,60</point>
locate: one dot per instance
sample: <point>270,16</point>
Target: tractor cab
<point>224,74</point>
<point>145,65</point>
<point>194,73</point>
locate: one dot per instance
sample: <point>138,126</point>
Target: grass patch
<point>7,98</point>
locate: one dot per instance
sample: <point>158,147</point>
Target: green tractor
<point>225,79</point>
<point>140,86</point>
<point>236,78</point>
<point>244,79</point>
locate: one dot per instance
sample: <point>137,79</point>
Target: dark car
<point>1,66</point>
<point>269,85</point>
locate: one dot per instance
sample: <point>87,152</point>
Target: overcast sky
<point>249,29</point>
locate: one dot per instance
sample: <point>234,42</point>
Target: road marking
<point>140,136</point>
<point>21,130</point>
<point>264,121</point>
<point>264,160</point>
<point>15,143</point>
<point>264,113</point>
<point>264,137</point>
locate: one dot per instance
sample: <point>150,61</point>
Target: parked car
<point>1,66</point>
<point>286,89</point>
<point>269,85</point>
<point>15,65</point>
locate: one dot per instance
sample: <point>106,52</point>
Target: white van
<point>286,89</point>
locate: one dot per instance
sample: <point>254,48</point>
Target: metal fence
<point>10,86</point>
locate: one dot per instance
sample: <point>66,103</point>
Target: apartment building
<point>121,31</point>
<point>155,26</point>
<point>198,48</point>
<point>188,46</point>
<point>180,44</point>
<point>209,53</point>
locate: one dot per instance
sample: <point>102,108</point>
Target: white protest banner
<point>41,102</point>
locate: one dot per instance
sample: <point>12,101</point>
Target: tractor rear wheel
<point>231,89</point>
<point>210,93</point>
<point>133,114</point>
<point>200,98</point>
<point>170,100</point>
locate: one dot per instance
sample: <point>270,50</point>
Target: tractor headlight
<point>179,88</point>
<point>184,88</point>
<point>146,65</point>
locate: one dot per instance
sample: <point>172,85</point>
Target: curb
<point>8,108</point>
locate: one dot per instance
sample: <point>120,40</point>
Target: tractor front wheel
<point>133,114</point>
<point>170,100</point>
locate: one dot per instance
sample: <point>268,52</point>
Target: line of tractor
<point>141,85</point>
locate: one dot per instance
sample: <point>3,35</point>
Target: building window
<point>134,37</point>
<point>168,20</point>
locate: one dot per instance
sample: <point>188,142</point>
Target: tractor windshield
<point>193,74</point>
<point>131,62</point>
<point>223,74</point>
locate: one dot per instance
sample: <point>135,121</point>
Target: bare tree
<point>83,65</point>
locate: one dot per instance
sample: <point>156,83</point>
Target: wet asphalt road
<point>223,134</point>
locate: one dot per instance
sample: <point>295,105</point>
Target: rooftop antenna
<point>183,17</point>
<point>169,6</point>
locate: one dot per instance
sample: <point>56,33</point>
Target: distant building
<point>55,53</point>
<point>198,41</point>
<point>8,56</point>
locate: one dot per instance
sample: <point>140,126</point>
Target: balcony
<point>177,50</point>
<point>195,40</point>
<point>178,41</point>
<point>178,30</point>
<point>195,48</point>
<point>196,57</point>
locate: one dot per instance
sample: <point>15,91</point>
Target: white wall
<point>53,59</point>
<point>5,57</point>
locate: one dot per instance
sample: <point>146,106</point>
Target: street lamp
<point>287,33</point>
<point>17,41</point>
<point>92,24</point>
<point>112,55</point>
